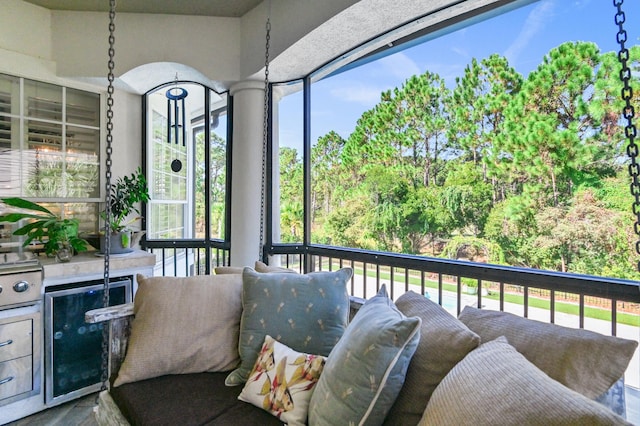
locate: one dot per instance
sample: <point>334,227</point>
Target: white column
<point>246,173</point>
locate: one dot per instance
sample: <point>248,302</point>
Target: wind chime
<point>176,119</point>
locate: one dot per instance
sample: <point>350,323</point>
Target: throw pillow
<point>263,267</point>
<point>583,360</point>
<point>183,325</point>
<point>282,381</point>
<point>366,369</point>
<point>221,270</point>
<point>308,313</point>
<point>495,384</point>
<point>444,341</point>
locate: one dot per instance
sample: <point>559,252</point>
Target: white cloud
<point>533,25</point>
<point>358,93</point>
<point>400,65</point>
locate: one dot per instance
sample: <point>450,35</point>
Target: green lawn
<point>535,302</point>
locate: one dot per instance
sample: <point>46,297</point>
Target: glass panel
<point>289,142</point>
<point>43,100</point>
<point>218,165</point>
<point>9,95</point>
<point>9,157</point>
<point>83,107</point>
<point>177,173</point>
<point>77,346</point>
<point>43,160</point>
<point>167,221</point>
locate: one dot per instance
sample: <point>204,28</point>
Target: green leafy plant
<point>45,227</point>
<point>126,193</point>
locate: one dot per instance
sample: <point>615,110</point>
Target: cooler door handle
<point>6,380</point>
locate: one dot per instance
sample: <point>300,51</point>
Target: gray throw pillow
<point>444,341</point>
<point>583,360</point>
<point>496,385</point>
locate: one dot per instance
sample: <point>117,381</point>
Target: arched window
<point>186,167</point>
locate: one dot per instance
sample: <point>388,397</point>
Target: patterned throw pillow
<point>366,369</point>
<point>308,313</point>
<point>282,381</point>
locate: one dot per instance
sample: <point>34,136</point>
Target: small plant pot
<point>120,242</point>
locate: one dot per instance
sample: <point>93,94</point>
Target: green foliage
<point>528,170</point>
<point>126,193</point>
<point>44,226</point>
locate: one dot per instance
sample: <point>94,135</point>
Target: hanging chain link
<point>107,230</point>
<point>628,113</point>
<point>265,134</point>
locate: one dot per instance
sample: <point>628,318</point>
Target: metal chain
<point>265,133</point>
<point>107,229</point>
<point>628,113</point>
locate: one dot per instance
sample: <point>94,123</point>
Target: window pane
<point>499,142</point>
<point>288,149</point>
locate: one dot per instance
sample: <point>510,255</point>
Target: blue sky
<point>523,36</point>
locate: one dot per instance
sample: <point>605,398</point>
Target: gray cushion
<point>444,341</point>
<point>585,361</point>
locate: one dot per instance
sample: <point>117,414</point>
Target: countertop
<point>88,263</point>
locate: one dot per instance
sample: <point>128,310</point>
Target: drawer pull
<point>8,342</point>
<point>6,380</point>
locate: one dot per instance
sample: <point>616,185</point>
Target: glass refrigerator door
<point>76,347</point>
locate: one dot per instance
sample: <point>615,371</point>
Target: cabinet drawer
<point>16,377</point>
<point>16,339</point>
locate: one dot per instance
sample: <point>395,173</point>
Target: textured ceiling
<point>224,8</point>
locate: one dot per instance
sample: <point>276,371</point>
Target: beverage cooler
<point>73,348</point>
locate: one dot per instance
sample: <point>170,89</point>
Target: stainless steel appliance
<point>20,326</point>
<point>73,348</point>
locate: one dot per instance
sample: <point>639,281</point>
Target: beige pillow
<point>496,385</point>
<point>585,361</point>
<point>183,325</point>
<point>444,341</point>
<point>221,270</point>
<point>264,268</point>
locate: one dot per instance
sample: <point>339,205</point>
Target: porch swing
<point>116,335</point>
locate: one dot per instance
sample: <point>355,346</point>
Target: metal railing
<point>181,258</point>
<point>528,288</point>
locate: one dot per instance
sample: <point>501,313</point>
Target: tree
<point>545,145</point>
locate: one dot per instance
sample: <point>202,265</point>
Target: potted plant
<point>126,194</point>
<point>58,236</point>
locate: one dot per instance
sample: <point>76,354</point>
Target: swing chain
<point>108,162</point>
<point>265,134</point>
<point>628,114</point>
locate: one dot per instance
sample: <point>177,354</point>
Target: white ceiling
<point>223,8</point>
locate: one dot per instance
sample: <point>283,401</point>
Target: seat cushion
<point>187,400</point>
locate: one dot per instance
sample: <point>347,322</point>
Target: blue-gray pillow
<point>309,313</point>
<point>365,371</point>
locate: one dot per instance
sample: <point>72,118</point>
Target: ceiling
<point>223,8</point>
